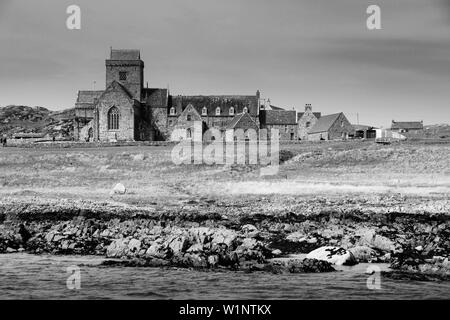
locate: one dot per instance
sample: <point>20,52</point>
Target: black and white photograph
<point>212,150</point>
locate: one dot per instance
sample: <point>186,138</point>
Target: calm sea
<point>24,276</point>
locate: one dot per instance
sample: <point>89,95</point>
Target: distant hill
<point>23,119</point>
<point>435,131</point>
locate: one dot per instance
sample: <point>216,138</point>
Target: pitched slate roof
<point>407,125</point>
<point>361,127</point>
<point>277,117</point>
<point>225,102</point>
<point>125,54</point>
<point>155,97</point>
<point>324,123</point>
<point>86,98</point>
<point>238,118</point>
<point>276,108</point>
<point>114,86</point>
<point>316,114</point>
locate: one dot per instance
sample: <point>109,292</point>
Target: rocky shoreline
<point>416,245</point>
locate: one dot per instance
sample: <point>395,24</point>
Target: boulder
<point>134,245</point>
<point>249,244</point>
<point>277,252</point>
<point>250,230</point>
<point>157,250</point>
<point>195,248</point>
<point>363,253</point>
<point>297,266</point>
<point>138,157</point>
<point>333,255</point>
<point>195,261</point>
<point>224,236</point>
<point>368,237</point>
<point>178,244</point>
<point>201,234</point>
<point>296,237</point>
<point>118,189</point>
<point>213,260</point>
<point>118,248</point>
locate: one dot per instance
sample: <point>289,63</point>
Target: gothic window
<point>217,111</point>
<point>122,76</point>
<point>188,133</point>
<point>231,111</point>
<point>189,117</point>
<point>245,110</point>
<point>308,124</point>
<point>172,111</point>
<point>113,119</point>
<point>204,111</point>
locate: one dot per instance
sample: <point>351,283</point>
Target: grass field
<point>332,169</point>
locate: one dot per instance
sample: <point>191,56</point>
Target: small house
<point>285,121</point>
<point>410,126</point>
<point>306,121</point>
<point>331,127</point>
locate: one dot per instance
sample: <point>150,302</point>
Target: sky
<point>294,51</point>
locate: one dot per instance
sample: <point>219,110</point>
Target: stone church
<point>128,111</point>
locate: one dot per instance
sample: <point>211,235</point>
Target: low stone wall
<point>73,144</point>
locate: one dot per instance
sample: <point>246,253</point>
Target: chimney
<point>308,107</point>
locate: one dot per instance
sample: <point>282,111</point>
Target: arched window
<point>188,133</point>
<point>231,111</point>
<point>204,111</point>
<point>308,124</point>
<point>189,117</point>
<point>113,119</point>
<point>218,111</point>
<point>172,111</point>
<point>245,110</point>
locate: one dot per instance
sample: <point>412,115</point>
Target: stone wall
<point>188,120</point>
<point>135,75</point>
<point>341,129</point>
<point>305,123</point>
<point>160,123</point>
<point>318,136</point>
<point>285,132</point>
<point>127,110</point>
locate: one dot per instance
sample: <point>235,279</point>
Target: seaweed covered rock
<point>333,255</point>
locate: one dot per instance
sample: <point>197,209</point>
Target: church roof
<point>324,123</point>
<point>125,54</point>
<point>234,123</point>
<point>116,86</point>
<point>85,99</point>
<point>155,97</point>
<point>225,102</point>
<point>277,117</point>
<point>88,96</point>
